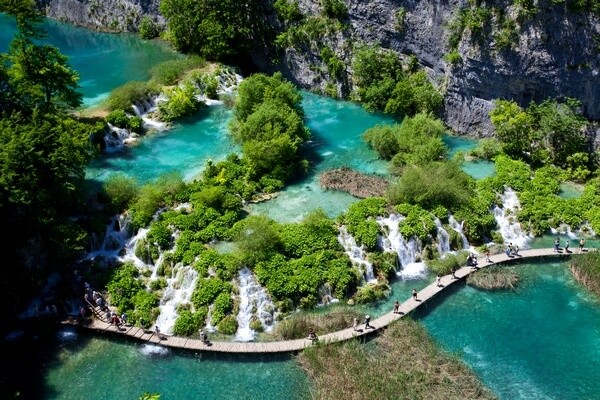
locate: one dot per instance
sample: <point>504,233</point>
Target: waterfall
<point>115,139</point>
<point>407,250</point>
<point>144,109</point>
<point>325,295</point>
<point>506,217</point>
<point>458,227</point>
<point>357,254</point>
<point>443,238</point>
<point>564,229</point>
<point>178,291</point>
<point>115,239</point>
<point>255,302</point>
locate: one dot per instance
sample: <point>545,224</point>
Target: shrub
<point>188,323</point>
<point>222,306</point>
<point>148,29</point>
<point>181,101</point>
<point>118,118</point>
<point>121,190</point>
<point>228,325</point>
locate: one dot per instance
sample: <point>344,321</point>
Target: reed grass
<point>586,270</point>
<point>494,278</point>
<point>402,363</point>
<point>297,326</point>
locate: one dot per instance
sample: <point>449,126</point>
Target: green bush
<point>136,124</point>
<point>181,101</point>
<point>188,323</point>
<point>207,290</point>
<point>371,293</point>
<point>453,58</point>
<point>222,306</point>
<point>121,190</point>
<point>335,9</point>
<point>228,325</point>
<point>148,29</point>
<point>435,184</point>
<point>118,118</point>
<point>444,265</point>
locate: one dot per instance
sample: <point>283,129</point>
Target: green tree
<point>257,239</point>
<point>214,29</point>
<point>513,127</point>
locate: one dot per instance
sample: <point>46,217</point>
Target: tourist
<point>454,272</point>
<point>438,280</point>
<point>471,261</point>
<point>203,336</point>
<point>487,256</point>
<point>124,319</point>
<point>556,244</point>
<point>313,336</point>
<point>355,324</point>
<point>82,314</point>
<point>567,245</point>
<point>581,244</point>
<point>509,250</point>
<point>367,320</point>
<point>414,294</point>
<point>396,306</point>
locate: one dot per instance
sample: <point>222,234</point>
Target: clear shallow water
<point>96,368</point>
<point>570,190</point>
<point>541,341</point>
<point>104,61</point>
<point>337,128</point>
<point>186,148</point>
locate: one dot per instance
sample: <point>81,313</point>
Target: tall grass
<point>298,325</point>
<point>402,363</point>
<point>123,97</point>
<point>169,72</point>
<point>586,269</point>
<point>494,278</point>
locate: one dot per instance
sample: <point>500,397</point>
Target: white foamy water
<point>357,254</point>
<point>255,302</point>
<point>443,238</point>
<point>154,350</point>
<point>178,291</point>
<point>458,227</point>
<point>506,218</point>
<point>407,250</point>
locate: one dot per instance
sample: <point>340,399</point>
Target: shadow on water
<point>27,351</point>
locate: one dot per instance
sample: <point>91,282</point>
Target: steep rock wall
<point>554,54</point>
<point>106,15</point>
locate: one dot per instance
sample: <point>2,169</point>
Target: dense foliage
<point>43,155</point>
<point>383,83</point>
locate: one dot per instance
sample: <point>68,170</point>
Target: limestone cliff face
<point>554,52</point>
<point>106,15</point>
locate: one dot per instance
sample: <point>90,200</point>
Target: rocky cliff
<point>106,15</point>
<point>546,51</point>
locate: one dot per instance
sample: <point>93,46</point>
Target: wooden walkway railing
<point>295,345</point>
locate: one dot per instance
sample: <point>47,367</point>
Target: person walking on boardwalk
<point>313,336</point>
<point>454,272</point>
<point>355,324</point>
<point>487,256</point>
<point>567,245</point>
<point>396,307</point>
<point>556,244</point>
<point>414,294</point>
<point>367,325</point>
<point>581,244</point>
<point>438,280</point>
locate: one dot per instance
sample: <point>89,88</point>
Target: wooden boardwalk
<point>296,345</point>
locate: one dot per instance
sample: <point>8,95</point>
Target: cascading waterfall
<point>144,109</point>
<point>178,291</point>
<point>407,250</point>
<point>458,227</point>
<point>325,295</point>
<point>443,238</point>
<point>115,239</point>
<point>255,303</point>
<point>506,217</point>
<point>564,229</point>
<point>357,254</point>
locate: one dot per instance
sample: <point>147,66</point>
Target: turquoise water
<point>82,366</point>
<point>186,148</point>
<point>96,370</point>
<point>104,61</point>
<point>541,341</point>
<point>479,169</point>
<point>570,190</point>
<point>337,128</point>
